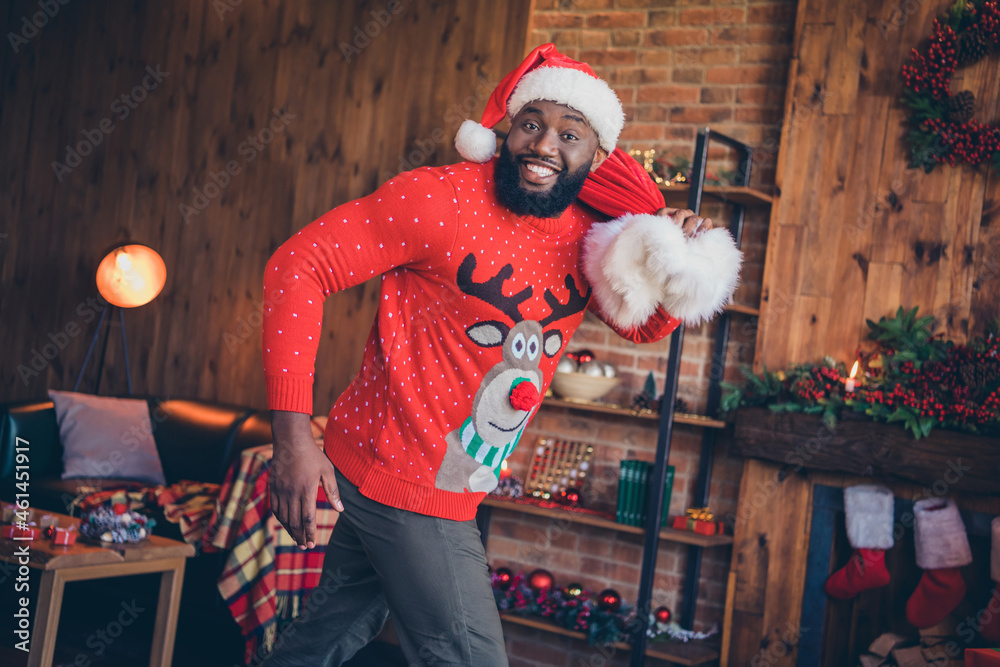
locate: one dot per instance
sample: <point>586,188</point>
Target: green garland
<point>912,376</point>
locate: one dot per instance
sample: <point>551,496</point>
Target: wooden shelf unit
<point>695,653</point>
<point>611,409</point>
<point>677,195</point>
<point>666,534</point>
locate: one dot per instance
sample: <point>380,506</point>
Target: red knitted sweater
<point>476,306</point>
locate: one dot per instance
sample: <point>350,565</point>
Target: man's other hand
<point>298,467</point>
<point>690,223</point>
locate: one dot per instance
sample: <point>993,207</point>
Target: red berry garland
<point>966,34</point>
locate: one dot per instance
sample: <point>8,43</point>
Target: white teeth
<point>541,171</point>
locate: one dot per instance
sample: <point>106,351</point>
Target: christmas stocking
<point>942,548</point>
<point>990,617</point>
<point>868,513</point>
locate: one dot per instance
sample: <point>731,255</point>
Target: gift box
<point>697,525</point>
<point>982,657</point>
<point>16,533</point>
<point>62,536</point>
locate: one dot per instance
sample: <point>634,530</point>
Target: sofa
<point>195,439</point>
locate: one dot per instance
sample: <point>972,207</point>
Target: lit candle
<point>504,472</point>
<point>849,385</point>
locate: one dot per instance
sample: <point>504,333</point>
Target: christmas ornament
<point>609,599</point>
<point>942,128</point>
<point>540,580</point>
<point>592,367</point>
<point>609,370</point>
<point>868,514</point>
<point>566,365</point>
<point>570,496</point>
<point>503,577</point>
<point>573,590</point>
<point>581,356</point>
<point>662,615</point>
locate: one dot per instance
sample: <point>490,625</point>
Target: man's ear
<point>599,157</point>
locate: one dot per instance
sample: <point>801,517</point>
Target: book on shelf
<point>634,481</point>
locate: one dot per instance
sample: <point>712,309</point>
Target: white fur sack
<point>638,262</point>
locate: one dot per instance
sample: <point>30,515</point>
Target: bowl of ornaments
<point>113,522</point>
<point>581,377</point>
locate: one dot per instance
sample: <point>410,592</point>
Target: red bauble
<point>540,580</point>
<point>571,496</point>
<point>504,577</point>
<point>662,615</point>
<point>609,600</point>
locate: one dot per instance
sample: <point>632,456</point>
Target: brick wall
<point>677,66</point>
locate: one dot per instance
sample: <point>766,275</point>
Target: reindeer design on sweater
<point>511,390</point>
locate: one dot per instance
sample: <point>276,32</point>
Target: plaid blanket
<point>266,577</point>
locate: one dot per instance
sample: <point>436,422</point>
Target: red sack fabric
<point>621,186</point>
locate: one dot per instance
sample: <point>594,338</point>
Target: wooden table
<point>82,562</point>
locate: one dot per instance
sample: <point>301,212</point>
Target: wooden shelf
<point>746,310</point>
<point>666,534</point>
<point>612,409</point>
<point>679,653</point>
<point>677,195</point>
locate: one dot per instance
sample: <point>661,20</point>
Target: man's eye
<point>569,137</point>
<point>530,126</point>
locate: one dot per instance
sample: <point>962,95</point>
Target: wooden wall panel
<point>854,233</point>
<point>351,122</point>
<point>849,212</point>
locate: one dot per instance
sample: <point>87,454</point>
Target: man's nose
<point>545,144</point>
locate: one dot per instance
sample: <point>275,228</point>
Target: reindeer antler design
<point>491,291</point>
<point>574,304</point>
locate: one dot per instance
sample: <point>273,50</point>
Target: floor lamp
<point>129,276</point>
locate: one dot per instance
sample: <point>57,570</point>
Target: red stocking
<point>865,570</point>
<point>868,513</point>
<point>990,615</point>
<point>937,595</point>
<point>942,548</point>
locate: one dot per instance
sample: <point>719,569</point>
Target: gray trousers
<point>429,573</point>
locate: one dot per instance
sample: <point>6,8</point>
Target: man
<point>483,285</point>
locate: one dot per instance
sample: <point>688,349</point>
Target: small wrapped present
<point>982,657</point>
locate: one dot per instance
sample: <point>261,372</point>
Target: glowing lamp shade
<point>131,276</point>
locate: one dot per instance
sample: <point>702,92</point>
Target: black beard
<point>549,204</point>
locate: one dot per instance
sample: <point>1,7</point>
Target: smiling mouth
<point>536,172</point>
<point>513,428</point>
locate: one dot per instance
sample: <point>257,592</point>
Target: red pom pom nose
<point>524,396</point>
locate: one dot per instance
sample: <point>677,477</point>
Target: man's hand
<point>690,223</point>
<point>298,467</point>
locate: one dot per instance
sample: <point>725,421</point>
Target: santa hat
<point>545,74</point>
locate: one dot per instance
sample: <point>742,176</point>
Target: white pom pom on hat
<point>545,74</point>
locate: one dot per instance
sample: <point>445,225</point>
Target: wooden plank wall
<point>352,117</point>
<point>853,234</point>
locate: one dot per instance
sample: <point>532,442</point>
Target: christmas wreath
<point>942,128</point>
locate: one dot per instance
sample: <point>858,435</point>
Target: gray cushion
<point>106,438</point>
